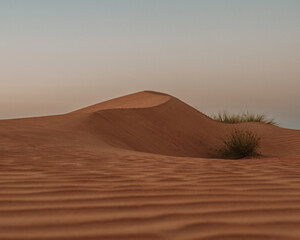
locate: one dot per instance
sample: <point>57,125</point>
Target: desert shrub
<point>239,144</point>
<point>242,117</point>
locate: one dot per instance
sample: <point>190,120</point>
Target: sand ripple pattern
<point>143,196</point>
<point>127,169</point>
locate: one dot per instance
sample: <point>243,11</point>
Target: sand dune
<point>139,167</point>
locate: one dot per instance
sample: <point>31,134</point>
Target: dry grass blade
<point>243,117</point>
<point>239,144</point>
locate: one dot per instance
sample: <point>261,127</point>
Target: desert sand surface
<point>140,167</point>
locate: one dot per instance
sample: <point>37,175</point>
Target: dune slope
<point>158,123</point>
<point>138,167</point>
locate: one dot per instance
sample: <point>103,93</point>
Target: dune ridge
<point>145,99</point>
<point>139,167</point>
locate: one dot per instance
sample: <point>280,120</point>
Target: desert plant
<point>239,144</point>
<point>242,117</point>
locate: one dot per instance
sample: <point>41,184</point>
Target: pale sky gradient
<point>60,55</point>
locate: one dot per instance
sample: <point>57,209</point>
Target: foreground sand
<point>65,177</point>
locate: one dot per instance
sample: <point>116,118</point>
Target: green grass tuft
<point>239,144</point>
<point>243,117</point>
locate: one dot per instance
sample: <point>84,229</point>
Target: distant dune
<point>141,167</point>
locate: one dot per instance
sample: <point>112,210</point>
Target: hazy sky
<point>60,55</point>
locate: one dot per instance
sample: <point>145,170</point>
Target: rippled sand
<point>105,172</point>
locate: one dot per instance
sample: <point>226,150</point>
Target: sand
<point>140,167</point>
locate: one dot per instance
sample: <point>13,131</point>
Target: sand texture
<point>140,167</point>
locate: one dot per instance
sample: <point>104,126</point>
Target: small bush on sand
<point>242,117</point>
<point>239,144</point>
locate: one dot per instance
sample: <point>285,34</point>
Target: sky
<point>57,56</point>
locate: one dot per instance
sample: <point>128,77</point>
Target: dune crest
<point>145,99</point>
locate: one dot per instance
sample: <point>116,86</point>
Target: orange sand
<point>139,167</point>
